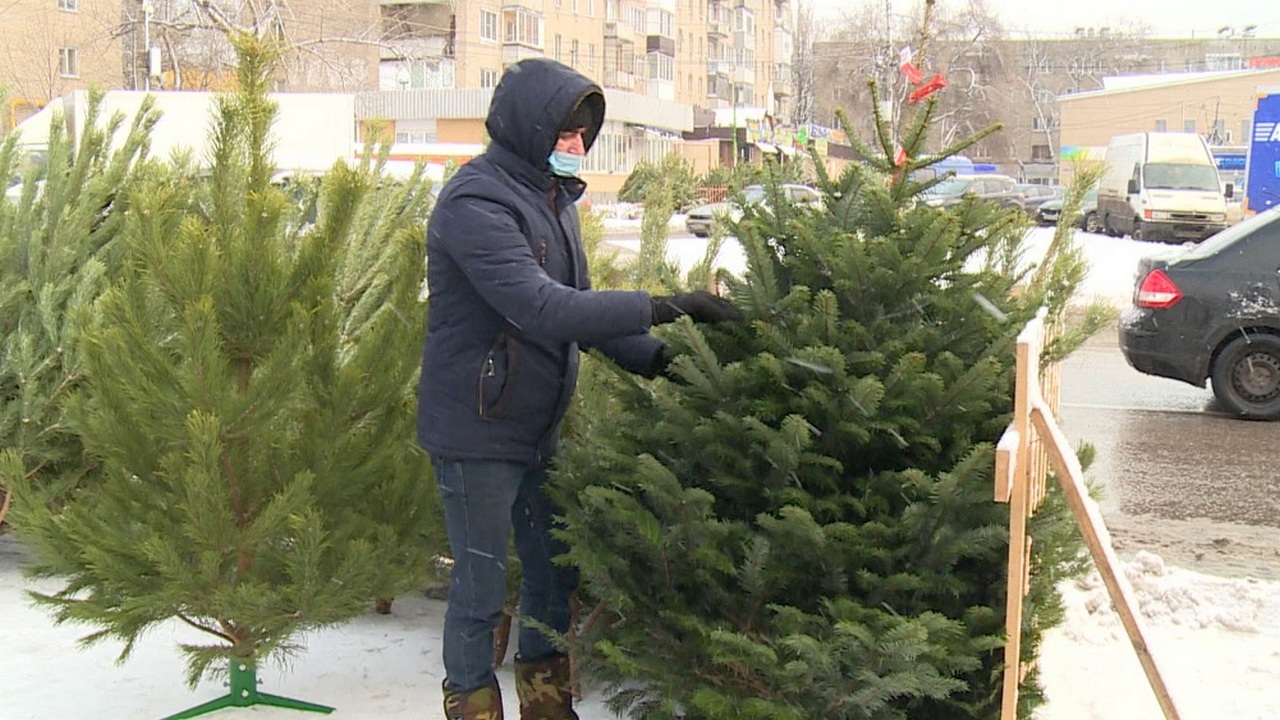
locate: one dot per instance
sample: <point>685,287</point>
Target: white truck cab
<point>1161,186</point>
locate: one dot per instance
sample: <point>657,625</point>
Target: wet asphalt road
<point>1165,448</point>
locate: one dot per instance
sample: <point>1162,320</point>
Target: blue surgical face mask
<point>565,164</point>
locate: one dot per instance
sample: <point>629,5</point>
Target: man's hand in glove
<point>700,305</point>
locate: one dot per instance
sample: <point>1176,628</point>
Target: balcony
<point>620,80</point>
<point>537,6</point>
<point>782,87</point>
<point>719,88</point>
<point>660,44</point>
<point>720,68</point>
<point>515,52</point>
<point>619,30</point>
<point>743,75</point>
<point>744,39</point>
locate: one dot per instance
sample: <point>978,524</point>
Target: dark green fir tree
<point>248,396</point>
<point>58,247</point>
<point>799,522</point>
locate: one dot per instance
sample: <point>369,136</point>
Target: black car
<point>1049,212</point>
<point>1212,312</point>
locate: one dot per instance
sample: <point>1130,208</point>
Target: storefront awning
<point>766,147</point>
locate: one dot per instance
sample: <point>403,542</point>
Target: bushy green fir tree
<point>800,523</point>
<point>248,393</point>
<point>58,247</point>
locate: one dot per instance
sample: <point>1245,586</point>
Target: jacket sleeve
<point>639,354</point>
<point>483,238</point>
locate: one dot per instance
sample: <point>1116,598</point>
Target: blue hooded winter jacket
<point>509,295</point>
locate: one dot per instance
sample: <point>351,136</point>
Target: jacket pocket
<point>496,383</point>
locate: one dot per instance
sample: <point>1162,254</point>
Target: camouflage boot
<point>481,704</point>
<point>543,689</point>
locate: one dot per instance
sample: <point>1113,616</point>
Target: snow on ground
<point>1112,261</point>
<point>1216,641</point>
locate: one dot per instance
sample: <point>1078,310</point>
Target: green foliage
<point>58,246</point>
<point>800,523</point>
<point>673,173</point>
<point>248,397</point>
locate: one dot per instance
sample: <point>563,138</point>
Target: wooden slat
<point>1006,460</point>
<point>1089,518</point>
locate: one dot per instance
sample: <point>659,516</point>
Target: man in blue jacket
<point>509,306</point>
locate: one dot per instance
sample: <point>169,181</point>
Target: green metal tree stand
<point>244,692</point>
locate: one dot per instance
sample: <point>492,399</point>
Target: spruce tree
<point>58,247</point>
<point>799,522</point>
<point>248,395</point>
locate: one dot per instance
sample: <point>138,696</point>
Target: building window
<point>1041,153</point>
<point>69,5</point>
<point>416,138</point>
<point>1162,126</point>
<point>557,51</point>
<point>634,17</point>
<point>488,78</point>
<point>662,23</point>
<point>1189,125</point>
<point>662,67</point>
<point>68,62</point>
<point>575,7</point>
<point>591,56</point>
<point>489,25</point>
<point>523,27</point>
<point>591,8</point>
<point>573,53</point>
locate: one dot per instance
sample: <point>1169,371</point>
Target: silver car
<point>699,220</point>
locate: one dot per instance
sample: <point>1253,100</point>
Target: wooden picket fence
<point>1032,444</point>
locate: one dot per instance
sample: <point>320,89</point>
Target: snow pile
<point>1215,642</point>
<point>1171,596</point>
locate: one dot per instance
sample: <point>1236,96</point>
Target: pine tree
<point>57,247</point>
<point>248,393</point>
<point>800,524</point>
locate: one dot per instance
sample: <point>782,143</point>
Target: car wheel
<point>1091,224</point>
<point>1246,377</point>
<point>1137,232</point>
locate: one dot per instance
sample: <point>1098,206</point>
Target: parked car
<point>1049,212</point>
<point>1000,189</point>
<point>1212,312</point>
<point>1034,195</point>
<point>699,220</point>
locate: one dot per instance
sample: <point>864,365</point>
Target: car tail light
<point>1158,292</point>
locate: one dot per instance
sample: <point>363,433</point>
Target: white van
<point>1161,186</point>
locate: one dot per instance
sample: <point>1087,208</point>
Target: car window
<point>802,195</point>
<point>1265,223</point>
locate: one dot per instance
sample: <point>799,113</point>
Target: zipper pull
<point>489,369</point>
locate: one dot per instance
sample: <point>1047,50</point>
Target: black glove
<point>700,305</point>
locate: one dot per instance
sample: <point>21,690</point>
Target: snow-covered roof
<point>1123,84</point>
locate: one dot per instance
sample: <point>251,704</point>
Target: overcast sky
<point>1179,18</point>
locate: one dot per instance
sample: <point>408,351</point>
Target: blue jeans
<point>484,501</point>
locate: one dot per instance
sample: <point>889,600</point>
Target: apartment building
<point>429,66</point>
<point>658,61</point>
<point>51,47</point>
<point>1020,84</point>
